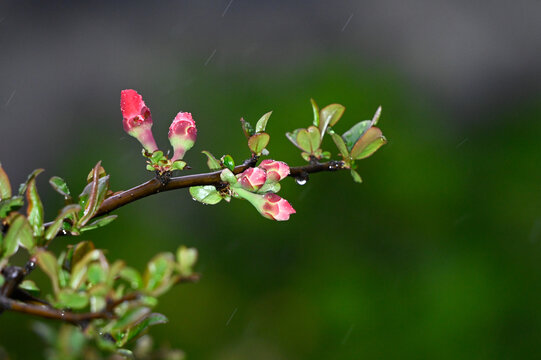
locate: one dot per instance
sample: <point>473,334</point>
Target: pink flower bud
<point>137,120</point>
<point>276,170</point>
<point>252,179</point>
<point>182,134</point>
<point>269,205</point>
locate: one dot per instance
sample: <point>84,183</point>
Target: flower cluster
<point>137,122</point>
<point>259,184</point>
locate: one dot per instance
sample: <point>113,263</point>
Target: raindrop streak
<point>10,97</point>
<point>301,181</point>
<point>231,317</point>
<point>227,8</point>
<point>347,22</point>
<point>348,333</point>
<point>462,143</point>
<point>210,57</point>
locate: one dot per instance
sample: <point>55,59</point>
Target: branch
<point>155,186</point>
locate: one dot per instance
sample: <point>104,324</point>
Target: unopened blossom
<point>137,120</point>
<point>182,134</point>
<point>276,170</point>
<point>252,179</point>
<point>269,205</point>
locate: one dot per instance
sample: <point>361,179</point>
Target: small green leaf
<point>157,156</point>
<point>96,191</point>
<point>96,274</point>
<point>205,194</point>
<point>262,123</point>
<point>19,233</point>
<point>351,136</point>
<point>156,279</point>
<point>47,263</point>
<point>30,286</point>
<point>368,144</point>
<point>73,300</point>
<point>376,116</point>
<point>186,258</point>
<point>9,205</point>
<point>150,320</point>
<point>60,186</point>
<point>34,211</point>
<point>99,223</point>
<point>228,162</point>
<point>292,136</point>
<point>150,167</point>
<point>77,253</point>
<point>2,280</point>
<point>53,229</point>
<point>178,165</point>
<point>227,176</point>
<point>258,142</point>
<point>309,139</point>
<point>273,187</point>
<point>5,186</point>
<point>356,177</point>
<point>246,128</point>
<point>79,269</point>
<point>315,110</point>
<point>340,144</point>
<point>132,276</point>
<point>212,162</point>
<point>24,185</point>
<point>101,173</point>
<point>329,116</point>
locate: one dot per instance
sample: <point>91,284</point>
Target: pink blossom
<point>182,134</point>
<point>137,120</point>
<point>252,179</point>
<point>276,208</point>
<point>276,170</point>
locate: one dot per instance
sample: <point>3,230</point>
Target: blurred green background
<point>435,255</point>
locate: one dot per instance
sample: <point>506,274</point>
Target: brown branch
<point>155,186</point>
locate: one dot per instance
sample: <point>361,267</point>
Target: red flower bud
<point>269,205</point>
<point>137,120</point>
<point>252,179</point>
<point>182,134</point>
<point>276,170</point>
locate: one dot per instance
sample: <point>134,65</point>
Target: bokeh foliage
<point>435,255</point>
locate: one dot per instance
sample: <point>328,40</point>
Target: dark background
<point>436,255</point>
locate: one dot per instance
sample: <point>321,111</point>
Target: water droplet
<point>301,181</point>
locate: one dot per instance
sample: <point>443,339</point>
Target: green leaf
<point>186,258</point>
<point>273,187</point>
<point>79,269</point>
<point>205,194</point>
<point>258,142</point>
<point>228,162</point>
<point>96,191</point>
<point>150,167</point>
<point>24,185</point>
<point>178,165</point>
<point>5,186</point>
<point>132,276</point>
<point>329,116</point>
<point>351,136</point>
<point>77,253</point>
<point>9,205</point>
<point>30,286</point>
<point>96,274</point>
<point>309,139</point>
<point>53,229</point>
<point>2,280</point>
<point>150,320</point>
<point>34,211</point>
<point>356,177</point>
<point>19,233</point>
<point>292,136</point>
<point>60,186</point>
<point>340,144</point>
<point>212,162</point>
<point>157,156</point>
<point>47,263</point>
<point>73,300</point>
<point>99,223</point>
<point>262,123</point>
<point>368,144</point>
<point>156,279</point>
<point>315,110</point>
<point>101,172</point>
<point>227,176</point>
<point>246,128</point>
<point>376,116</point>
